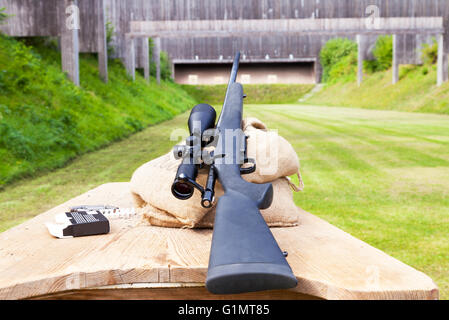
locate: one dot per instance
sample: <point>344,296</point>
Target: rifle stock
<point>245,256</point>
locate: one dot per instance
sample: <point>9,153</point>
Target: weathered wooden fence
<point>80,25</point>
<point>49,18</point>
<point>298,27</point>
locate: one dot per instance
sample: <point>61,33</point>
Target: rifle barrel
<point>208,195</point>
<point>232,79</point>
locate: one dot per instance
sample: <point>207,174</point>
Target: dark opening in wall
<point>249,73</point>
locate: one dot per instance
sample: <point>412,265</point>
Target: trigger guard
<point>250,169</point>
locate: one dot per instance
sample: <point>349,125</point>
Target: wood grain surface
<point>328,262</point>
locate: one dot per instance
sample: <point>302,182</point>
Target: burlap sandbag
<point>281,213</point>
<point>275,156</point>
<point>151,183</point>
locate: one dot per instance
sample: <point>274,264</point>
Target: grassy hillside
<point>45,120</point>
<point>256,93</point>
<point>382,176</point>
<point>416,91</point>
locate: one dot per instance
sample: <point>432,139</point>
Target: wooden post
<point>130,59</point>
<point>442,68</point>
<point>359,59</point>
<point>69,40</point>
<point>157,58</point>
<point>101,40</point>
<point>395,61</point>
<point>146,58</point>
<point>318,70</point>
<point>172,71</point>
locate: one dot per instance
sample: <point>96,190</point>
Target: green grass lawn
<point>255,93</point>
<point>382,176</point>
<point>416,91</point>
<point>45,120</point>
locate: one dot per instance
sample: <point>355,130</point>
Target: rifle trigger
<point>249,169</point>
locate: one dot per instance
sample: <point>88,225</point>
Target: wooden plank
<point>101,40</point>
<point>264,35</point>
<point>88,34</point>
<point>327,262</point>
<point>212,28</point>
<point>69,41</point>
<point>243,61</point>
<point>30,17</point>
<point>395,61</point>
<point>179,292</point>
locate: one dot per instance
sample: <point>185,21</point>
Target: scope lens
<point>182,190</point>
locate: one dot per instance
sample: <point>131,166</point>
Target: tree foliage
<point>165,63</point>
<point>429,53</point>
<point>3,15</point>
<point>383,55</point>
<point>338,59</point>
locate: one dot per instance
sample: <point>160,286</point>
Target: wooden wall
<point>34,18</point>
<point>45,18</point>
<point>121,12</point>
<point>31,17</point>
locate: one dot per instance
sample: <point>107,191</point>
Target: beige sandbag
<point>151,184</point>
<point>275,155</point>
<point>282,212</point>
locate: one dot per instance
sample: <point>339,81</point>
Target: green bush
<point>429,53</point>
<point>165,64</point>
<point>45,120</point>
<point>383,52</point>
<point>3,15</point>
<point>345,69</point>
<point>110,33</point>
<point>383,55</point>
<point>338,59</point>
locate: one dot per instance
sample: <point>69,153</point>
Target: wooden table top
<point>328,262</point>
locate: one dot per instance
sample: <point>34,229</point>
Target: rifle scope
<point>201,118</point>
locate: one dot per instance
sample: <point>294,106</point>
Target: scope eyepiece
<point>182,189</point>
<point>185,184</point>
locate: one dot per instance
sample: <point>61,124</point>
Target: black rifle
<point>244,255</point>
